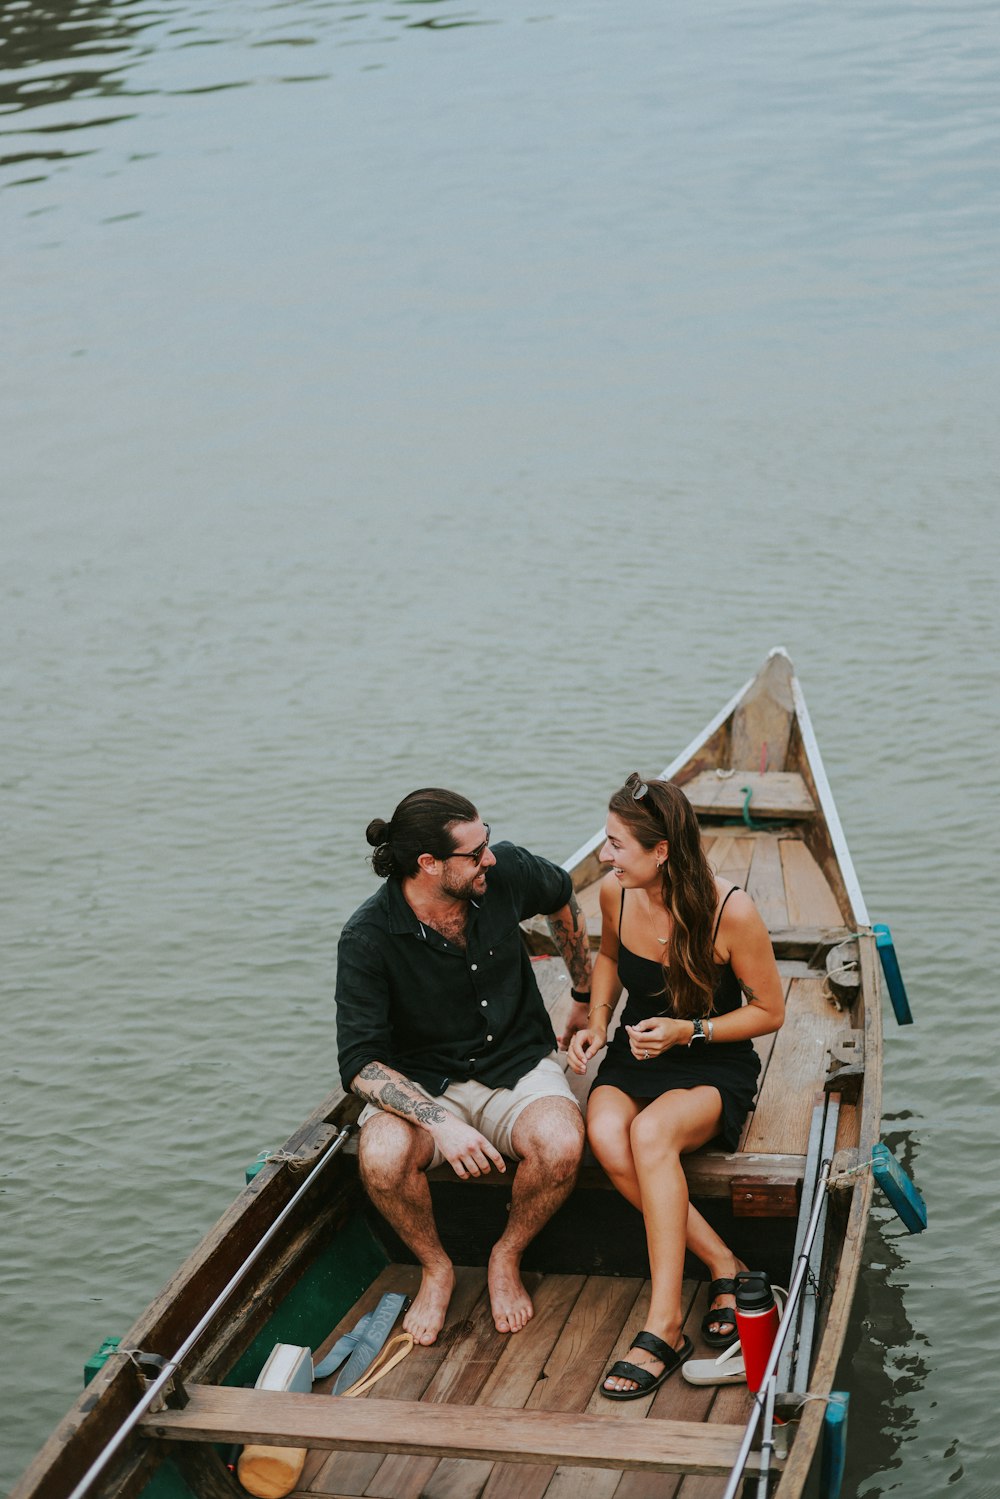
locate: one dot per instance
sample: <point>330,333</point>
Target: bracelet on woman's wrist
<point>592,1013</point>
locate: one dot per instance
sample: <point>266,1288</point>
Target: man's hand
<point>576,1020</point>
<point>467,1152</point>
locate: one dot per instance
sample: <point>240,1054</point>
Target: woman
<point>681,1068</point>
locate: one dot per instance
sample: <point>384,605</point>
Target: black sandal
<point>724,1315</point>
<point>670,1358</point>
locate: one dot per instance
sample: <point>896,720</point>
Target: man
<point>442,1031</point>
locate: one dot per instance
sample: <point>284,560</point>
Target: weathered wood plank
<point>674,1400</point>
<point>589,899</point>
<point>219,1413</point>
<point>512,1380</point>
<point>762,721</point>
<point>709,1172</point>
<point>567,1383</point>
<point>473,1352</point>
<point>764,1047</point>
<point>766,884</point>
<point>729,857</point>
<point>731,1404</point>
<point>351,1472</point>
<point>811,902</point>
<point>781,794</point>
<point>796,1070</point>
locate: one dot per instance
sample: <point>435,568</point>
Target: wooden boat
<point>301,1255</point>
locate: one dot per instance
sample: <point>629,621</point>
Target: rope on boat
<point>852,1171</point>
<point>851,966</point>
<point>284,1158</point>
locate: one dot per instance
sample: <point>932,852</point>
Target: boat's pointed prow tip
<point>779,650</point>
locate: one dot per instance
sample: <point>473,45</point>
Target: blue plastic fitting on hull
<point>902,1194</point>
<point>834,1451</point>
<point>893,977</point>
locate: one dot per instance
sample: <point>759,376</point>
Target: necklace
<point>649,917</point>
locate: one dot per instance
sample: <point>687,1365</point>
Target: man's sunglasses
<point>476,854</point>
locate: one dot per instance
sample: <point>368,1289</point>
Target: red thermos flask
<point>756,1322</point>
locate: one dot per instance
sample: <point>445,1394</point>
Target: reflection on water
<point>882,1363</point>
<point>57,59</point>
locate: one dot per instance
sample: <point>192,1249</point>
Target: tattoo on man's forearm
<point>429,1113</point>
<point>371,1072</point>
<point>571,940</point>
<point>420,1109</point>
<point>393,1096</point>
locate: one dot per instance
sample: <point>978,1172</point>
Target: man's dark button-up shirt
<point>411,999</point>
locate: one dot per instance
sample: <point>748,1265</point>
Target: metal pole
<point>166,1374</point>
<point>794,1291</point>
<point>767,1445</point>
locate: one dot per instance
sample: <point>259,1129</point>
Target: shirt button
<point>483,1003</point>
<point>489,1038</point>
<point>474,967</point>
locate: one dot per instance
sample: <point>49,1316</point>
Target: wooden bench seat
<point>775,793</point>
<point>748,1180</point>
<point>217,1413</point>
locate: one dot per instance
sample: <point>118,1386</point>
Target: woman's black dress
<point>730,1066</point>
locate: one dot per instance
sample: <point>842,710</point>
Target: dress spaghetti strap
<point>718,919</point>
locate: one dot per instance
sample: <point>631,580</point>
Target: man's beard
<point>464,888</point>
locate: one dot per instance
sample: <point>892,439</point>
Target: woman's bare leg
<point>614,1131</point>
<point>610,1114</point>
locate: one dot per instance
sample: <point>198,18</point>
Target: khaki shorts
<point>495,1111</point>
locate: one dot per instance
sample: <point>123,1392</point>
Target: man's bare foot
<point>510,1302</point>
<point>428,1309</point>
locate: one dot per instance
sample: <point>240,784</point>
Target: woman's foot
<point>651,1360</point>
<point>718,1325</point>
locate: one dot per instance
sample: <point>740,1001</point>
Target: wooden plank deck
<point>517,1417</point>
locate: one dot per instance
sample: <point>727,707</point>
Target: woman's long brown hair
<point>663,812</point>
